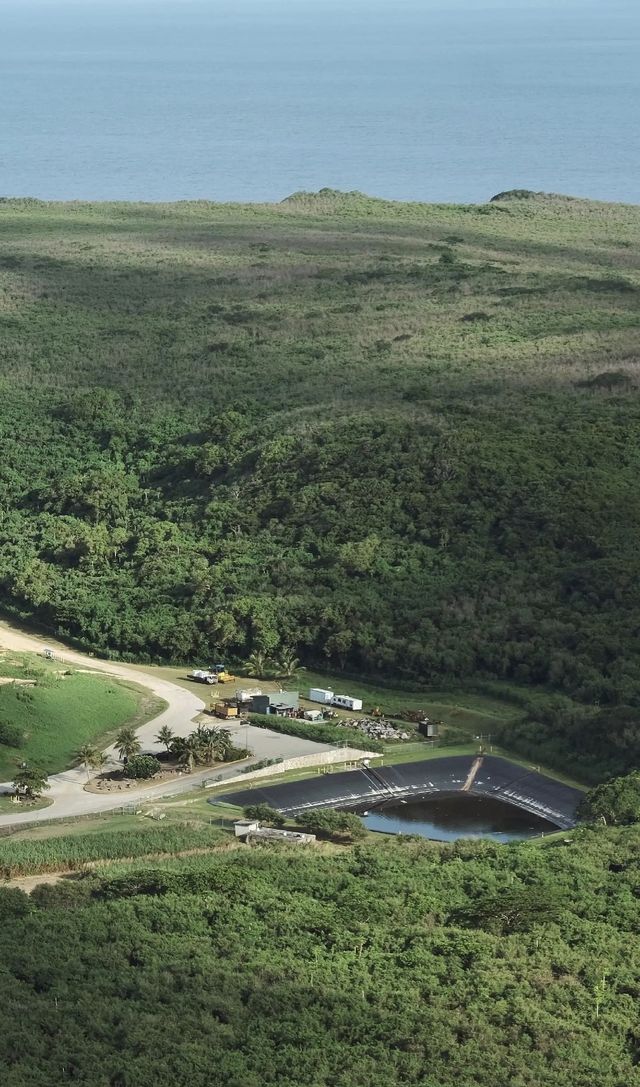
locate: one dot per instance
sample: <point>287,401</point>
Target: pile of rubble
<point>376,728</point>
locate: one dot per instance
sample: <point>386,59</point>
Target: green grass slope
<point>55,720</point>
<point>397,438</point>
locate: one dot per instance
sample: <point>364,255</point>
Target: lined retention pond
<point>462,815</point>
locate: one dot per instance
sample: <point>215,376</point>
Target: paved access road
<point>67,789</point>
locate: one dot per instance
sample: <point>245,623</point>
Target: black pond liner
<point>365,788</point>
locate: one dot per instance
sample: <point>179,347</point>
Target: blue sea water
<point>446,100</point>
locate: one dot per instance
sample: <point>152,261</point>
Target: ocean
<point>250,100</point>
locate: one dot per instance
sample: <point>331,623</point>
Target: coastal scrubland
<point>405,963</point>
<point>396,439</point>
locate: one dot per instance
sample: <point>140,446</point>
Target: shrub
<point>13,903</point>
<point>265,814</point>
<point>11,734</point>
<point>142,766</point>
<point>234,754</point>
<point>337,825</point>
<point>261,765</point>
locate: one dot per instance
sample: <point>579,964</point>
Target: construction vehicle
<point>224,709</point>
<point>221,671</point>
<point>216,674</point>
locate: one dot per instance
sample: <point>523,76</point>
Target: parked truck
<point>216,674</point>
<point>202,675</point>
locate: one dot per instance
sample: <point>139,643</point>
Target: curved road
<point>67,792</point>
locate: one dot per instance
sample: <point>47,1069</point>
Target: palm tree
<point>164,737</point>
<point>286,664</point>
<point>257,663</point>
<point>217,744</point>
<point>178,747</point>
<point>190,753</point>
<point>223,743</point>
<point>91,757</point>
<point>210,745</point>
<point>127,743</point>
<point>198,743</point>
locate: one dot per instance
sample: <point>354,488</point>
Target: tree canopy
<point>614,801</point>
<point>399,440</point>
<point>380,965</point>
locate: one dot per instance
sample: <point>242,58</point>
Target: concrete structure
<point>321,756</point>
<point>318,694</point>
<point>253,832</point>
<point>243,827</point>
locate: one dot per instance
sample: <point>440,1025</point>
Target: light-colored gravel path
<point>67,789</point>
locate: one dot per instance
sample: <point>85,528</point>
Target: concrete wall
<point>323,758</point>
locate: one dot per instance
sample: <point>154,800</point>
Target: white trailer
<point>317,694</point>
<point>345,702</point>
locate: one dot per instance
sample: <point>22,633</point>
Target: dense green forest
<point>395,439</point>
<point>381,965</point>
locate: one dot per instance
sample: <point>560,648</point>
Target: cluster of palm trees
<point>282,667</point>
<point>202,747</point>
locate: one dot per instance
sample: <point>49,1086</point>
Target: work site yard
<point>471,712</point>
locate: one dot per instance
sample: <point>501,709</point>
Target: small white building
<point>318,694</point>
<point>345,702</point>
<point>313,715</point>
<point>243,827</point>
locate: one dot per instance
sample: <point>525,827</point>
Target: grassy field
<point>8,807</point>
<point>56,713</point>
<point>321,275</point>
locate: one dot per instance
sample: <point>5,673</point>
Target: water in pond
<point>445,818</point>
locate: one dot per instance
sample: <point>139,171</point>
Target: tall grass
<point>66,854</point>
